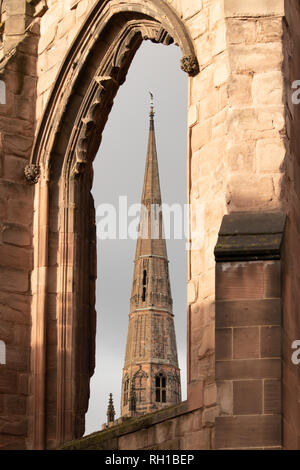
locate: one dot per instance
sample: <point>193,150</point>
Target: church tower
<point>151,377</point>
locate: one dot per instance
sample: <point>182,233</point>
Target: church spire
<point>152,113</point>
<point>110,410</point>
<point>151,377</point>
<point>151,240</point>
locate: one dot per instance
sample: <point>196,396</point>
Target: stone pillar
<point>19,14</point>
<point>248,331</point>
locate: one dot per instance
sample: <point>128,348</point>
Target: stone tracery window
<point>160,388</point>
<point>144,285</point>
<point>125,392</point>
<point>140,386</point>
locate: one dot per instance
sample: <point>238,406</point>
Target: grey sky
<point>119,170</point>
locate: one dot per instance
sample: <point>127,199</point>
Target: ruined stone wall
<point>241,157</point>
<point>170,429</point>
<point>291,292</point>
<point>17,123</point>
<point>236,148</point>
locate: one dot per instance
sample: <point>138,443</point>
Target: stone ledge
<point>250,236</point>
<point>97,440</point>
<point>253,8</point>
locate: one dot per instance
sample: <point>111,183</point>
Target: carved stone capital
<point>78,168</point>
<point>189,64</point>
<point>32,173</point>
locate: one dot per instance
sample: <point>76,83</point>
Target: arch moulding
<point>68,137</point>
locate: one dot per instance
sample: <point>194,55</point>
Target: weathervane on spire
<point>151,105</point>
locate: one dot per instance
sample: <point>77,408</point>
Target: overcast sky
<point>119,170</point>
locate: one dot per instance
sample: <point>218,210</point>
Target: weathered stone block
<point>201,135</point>
<point>173,444</point>
<point>47,38</point>
<point>9,442</point>
<point>248,431</point>
<point>15,405</point>
<point>8,380</point>
<point>15,25</point>
<point>67,22</point>
<point>13,280</point>
<point>256,58</point>
<point>209,105</point>
<point>222,70</point>
<point>82,8</point>
<point>19,212</point>
<point>17,145</point>
<point>239,90</point>
<point>267,89</point>
<point>13,426</point>
<point>14,168</point>
<point>15,7</point>
<point>210,394</point>
<point>15,234</point>
<point>248,313</point>
<point>225,396</point>
<point>219,39</point>
<point>258,193</point>
<point>223,343</point>
<point>206,341</point>
<point>15,257</point>
<point>240,281</point>
<point>209,415</point>
<point>241,157</point>
<point>14,308</point>
<point>247,397</point>
<point>272,396</point>
<point>254,8</point>
<point>46,80</point>
<point>198,25</point>
<point>248,369</point>
<point>269,29</point>
<point>241,31</point>
<point>192,115</point>
<point>216,12</point>
<point>270,155</point>
<point>246,343</point>
<point>6,332</point>
<point>198,440</point>
<point>270,339</point>
<point>17,358</point>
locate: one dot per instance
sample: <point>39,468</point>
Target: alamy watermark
<point>296,353</point>
<point>296,93</point>
<point>2,352</point>
<point>153,221</point>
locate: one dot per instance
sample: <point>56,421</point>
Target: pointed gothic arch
<point>125,394</point>
<point>61,164</point>
<point>140,385</point>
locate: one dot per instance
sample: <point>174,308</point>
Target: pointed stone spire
<point>151,362</point>
<point>110,410</point>
<point>151,241</point>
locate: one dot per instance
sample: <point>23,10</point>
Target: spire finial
<point>152,113</point>
<point>110,410</point>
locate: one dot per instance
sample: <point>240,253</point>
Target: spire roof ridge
<point>151,240</point>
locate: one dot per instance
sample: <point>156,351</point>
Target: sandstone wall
<point>171,429</point>
<point>17,121</point>
<point>236,140</point>
<point>291,292</point>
